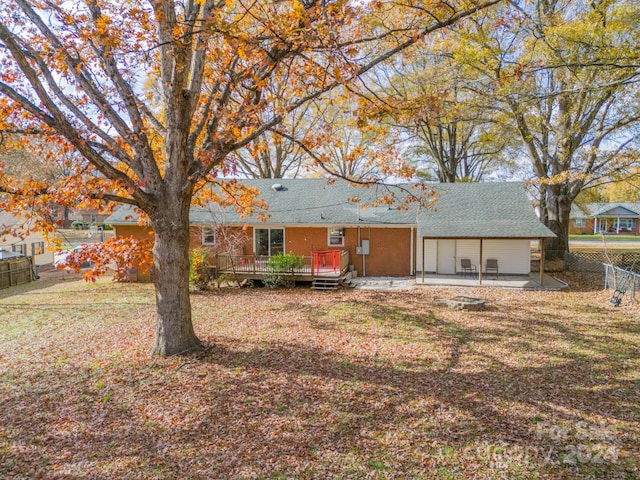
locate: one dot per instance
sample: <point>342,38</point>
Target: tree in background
<point>625,190</point>
<point>349,143</point>
<point>73,71</point>
<point>272,155</point>
<point>447,130</point>
<point>624,187</point>
<point>564,76</point>
<point>33,159</point>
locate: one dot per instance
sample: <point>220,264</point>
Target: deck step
<point>325,283</point>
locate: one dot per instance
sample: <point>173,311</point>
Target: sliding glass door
<point>269,241</point>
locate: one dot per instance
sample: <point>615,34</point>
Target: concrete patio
<point>522,282</point>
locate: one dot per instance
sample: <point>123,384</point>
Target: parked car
<point>60,258</point>
<point>79,225</point>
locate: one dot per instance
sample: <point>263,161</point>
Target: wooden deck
<point>326,264</point>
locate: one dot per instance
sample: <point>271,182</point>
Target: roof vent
<point>276,187</point>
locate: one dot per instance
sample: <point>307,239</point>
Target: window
<point>336,237</point>
<point>269,241</point>
<point>20,248</point>
<point>37,248</point>
<point>579,222</point>
<point>627,223</point>
<point>208,236</point>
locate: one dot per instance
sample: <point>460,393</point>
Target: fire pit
<point>462,302</point>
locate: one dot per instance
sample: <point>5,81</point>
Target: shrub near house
<point>200,273</point>
<point>280,267</point>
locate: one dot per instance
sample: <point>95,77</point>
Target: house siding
<point>466,248</point>
<point>244,239</point>
<point>304,240</point>
<point>390,251</point>
<point>11,243</point>
<point>390,248</point>
<point>514,256</point>
<point>430,256</point>
<point>142,271</point>
<point>575,230</point>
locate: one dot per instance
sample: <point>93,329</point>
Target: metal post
<point>423,259</point>
<point>480,265</point>
<point>541,241</point>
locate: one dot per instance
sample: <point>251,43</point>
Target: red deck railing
<point>328,259</point>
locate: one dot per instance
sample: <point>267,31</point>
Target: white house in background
<point>32,245</point>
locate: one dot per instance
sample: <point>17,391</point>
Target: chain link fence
<point>608,269</point>
<point>621,260</point>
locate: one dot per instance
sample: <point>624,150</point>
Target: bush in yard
<point>200,273</point>
<point>279,268</point>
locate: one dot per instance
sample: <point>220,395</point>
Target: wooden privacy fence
<point>16,271</point>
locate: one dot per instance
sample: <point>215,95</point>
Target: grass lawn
<point>314,385</point>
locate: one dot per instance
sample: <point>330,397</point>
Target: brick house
<point>617,218</point>
<point>335,228</point>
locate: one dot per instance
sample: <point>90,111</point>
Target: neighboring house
<point>88,215</point>
<point>613,218</point>
<point>33,244</point>
<point>335,227</point>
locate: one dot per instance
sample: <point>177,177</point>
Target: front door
<point>446,257</point>
<point>269,241</point>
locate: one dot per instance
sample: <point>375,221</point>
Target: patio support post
<point>422,259</point>
<point>617,224</point>
<point>595,225</point>
<point>480,265</point>
<point>541,242</point>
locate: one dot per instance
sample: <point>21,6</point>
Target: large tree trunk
<point>174,329</point>
<point>557,211</point>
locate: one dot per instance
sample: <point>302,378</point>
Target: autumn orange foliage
<point>155,97</point>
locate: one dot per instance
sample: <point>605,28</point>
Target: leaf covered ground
<point>304,385</point>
